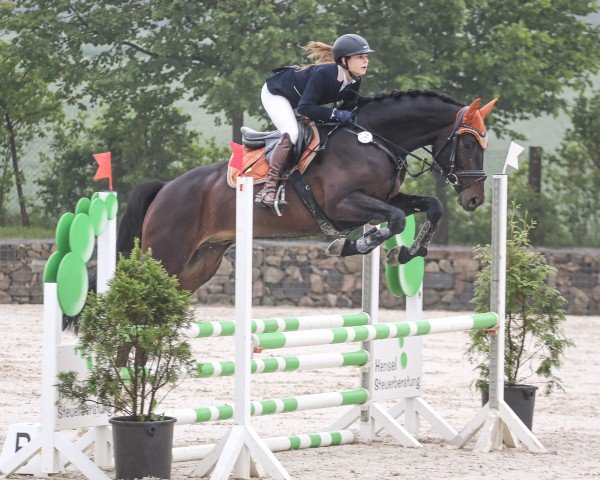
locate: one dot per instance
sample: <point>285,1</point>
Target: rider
<point>336,70</point>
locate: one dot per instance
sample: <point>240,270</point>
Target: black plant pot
<point>520,398</point>
<point>142,449</point>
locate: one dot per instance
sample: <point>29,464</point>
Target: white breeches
<point>281,113</point>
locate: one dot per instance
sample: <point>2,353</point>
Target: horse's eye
<point>468,146</point>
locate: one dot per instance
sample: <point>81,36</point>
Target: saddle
<point>257,147</point>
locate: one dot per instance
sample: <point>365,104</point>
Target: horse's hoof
<point>336,247</point>
<point>404,256</point>
<point>392,257</point>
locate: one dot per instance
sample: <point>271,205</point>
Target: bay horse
<point>189,222</point>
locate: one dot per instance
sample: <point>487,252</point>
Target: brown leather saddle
<point>257,147</point>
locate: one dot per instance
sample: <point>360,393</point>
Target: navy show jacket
<point>307,89</point>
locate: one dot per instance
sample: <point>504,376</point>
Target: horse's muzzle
<point>470,200</point>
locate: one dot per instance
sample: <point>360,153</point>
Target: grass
<point>22,232</point>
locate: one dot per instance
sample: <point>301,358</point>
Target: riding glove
<point>342,115</point>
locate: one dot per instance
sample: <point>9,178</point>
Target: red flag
<point>237,156</point>
<point>104,168</point>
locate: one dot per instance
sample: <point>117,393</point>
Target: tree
<point>150,143</point>
<point>542,209</point>
<point>577,173</point>
<point>27,107</point>
<point>247,46</point>
<point>68,171</point>
<point>217,52</point>
<point>5,179</point>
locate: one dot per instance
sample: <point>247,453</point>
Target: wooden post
<point>535,168</point>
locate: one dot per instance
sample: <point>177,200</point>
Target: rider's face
<point>358,64</point>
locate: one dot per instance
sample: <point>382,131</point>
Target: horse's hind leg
<point>203,265</point>
<point>359,207</point>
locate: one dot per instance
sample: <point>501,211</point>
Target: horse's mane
<point>358,100</point>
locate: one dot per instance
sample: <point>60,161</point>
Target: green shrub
<point>535,342</point>
<point>132,333</point>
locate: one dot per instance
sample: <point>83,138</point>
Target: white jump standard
<point>499,424</point>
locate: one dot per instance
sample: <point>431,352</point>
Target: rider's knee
<point>293,133</point>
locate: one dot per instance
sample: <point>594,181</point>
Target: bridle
<point>451,175</point>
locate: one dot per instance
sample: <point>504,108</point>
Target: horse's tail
<point>132,220</point>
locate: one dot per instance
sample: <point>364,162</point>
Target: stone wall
<point>21,270</point>
<point>299,273</point>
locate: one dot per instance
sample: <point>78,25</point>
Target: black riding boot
<point>279,157</point>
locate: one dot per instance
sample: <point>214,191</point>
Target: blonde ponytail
<point>318,52</point>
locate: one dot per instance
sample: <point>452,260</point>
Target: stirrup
<point>279,203</point>
<point>280,200</point>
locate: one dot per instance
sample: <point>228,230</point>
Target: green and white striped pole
<point>287,364</point>
<point>275,444</point>
<point>268,407</point>
<point>283,324</point>
<point>374,332</point>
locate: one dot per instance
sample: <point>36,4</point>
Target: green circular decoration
<point>72,284</point>
<point>392,277</point>
<point>81,236</point>
<point>112,205</point>
<point>405,279</point>
<point>403,360</point>
<point>51,268</point>
<point>63,227</point>
<point>83,206</point>
<point>411,276</point>
<point>99,215</point>
<point>407,235</point>
<point>392,272</point>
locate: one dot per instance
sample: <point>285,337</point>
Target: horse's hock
<point>299,273</point>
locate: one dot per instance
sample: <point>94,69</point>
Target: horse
<point>355,179</point>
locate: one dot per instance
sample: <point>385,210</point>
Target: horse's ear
<point>470,113</point>
<point>486,109</point>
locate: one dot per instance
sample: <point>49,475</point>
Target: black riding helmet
<point>348,45</point>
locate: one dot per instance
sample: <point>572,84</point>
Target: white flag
<point>512,158</point>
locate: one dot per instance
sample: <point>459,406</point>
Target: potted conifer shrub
<point>131,333</point>
<point>535,342</point>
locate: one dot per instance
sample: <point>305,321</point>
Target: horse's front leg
<point>410,204</point>
<point>359,207</point>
